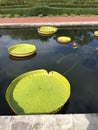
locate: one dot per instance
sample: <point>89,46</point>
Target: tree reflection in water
<point>82,36</point>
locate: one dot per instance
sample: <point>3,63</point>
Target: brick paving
<point>49,19</point>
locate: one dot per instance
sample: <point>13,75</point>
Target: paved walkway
<point>50,122</point>
<point>32,20</point>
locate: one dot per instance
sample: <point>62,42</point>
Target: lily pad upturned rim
<point>63,39</point>
<point>10,90</point>
<point>45,33</point>
<point>32,50</point>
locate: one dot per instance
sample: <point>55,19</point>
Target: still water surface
<point>79,66</point>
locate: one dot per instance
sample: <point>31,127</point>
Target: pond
<point>79,65</point>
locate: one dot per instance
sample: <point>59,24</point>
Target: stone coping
<point>15,25</point>
<point>50,122</point>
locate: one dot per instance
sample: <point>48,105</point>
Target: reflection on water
<point>22,58</point>
<point>79,66</point>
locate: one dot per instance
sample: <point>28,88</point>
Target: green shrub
<point>15,6</point>
<point>64,5</point>
<point>30,2</point>
<point>44,11</point>
<point>2,16</point>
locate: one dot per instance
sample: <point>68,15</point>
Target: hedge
<point>44,11</point>
<point>15,6</point>
<point>58,5</point>
<point>63,5</point>
<point>18,2</point>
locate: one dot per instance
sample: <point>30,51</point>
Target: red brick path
<point>50,19</point>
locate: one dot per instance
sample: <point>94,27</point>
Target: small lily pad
<point>96,33</point>
<point>63,39</point>
<point>22,50</point>
<point>46,30</point>
<point>38,92</point>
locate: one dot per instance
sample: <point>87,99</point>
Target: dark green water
<point>79,66</point>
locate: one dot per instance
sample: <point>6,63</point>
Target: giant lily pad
<point>38,92</point>
<point>47,30</point>
<point>22,50</point>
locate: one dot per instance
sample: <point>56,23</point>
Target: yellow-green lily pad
<point>63,39</point>
<point>22,50</point>
<point>96,33</point>
<point>38,92</point>
<point>47,30</point>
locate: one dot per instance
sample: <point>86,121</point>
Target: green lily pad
<point>46,30</point>
<point>22,50</point>
<point>38,92</point>
<point>63,39</point>
<point>96,33</point>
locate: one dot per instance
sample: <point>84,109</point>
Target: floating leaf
<point>38,92</point>
<point>46,30</point>
<point>22,50</point>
